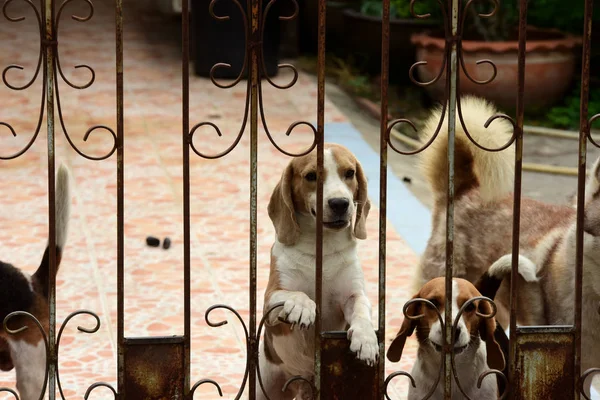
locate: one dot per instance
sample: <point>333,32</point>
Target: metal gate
<point>332,347</point>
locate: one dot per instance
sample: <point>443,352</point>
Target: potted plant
<point>363,35</point>
<point>551,57</point>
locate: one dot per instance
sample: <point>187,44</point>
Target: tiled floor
<point>153,195</point>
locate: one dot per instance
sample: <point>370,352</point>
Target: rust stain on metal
<point>154,368</point>
<point>343,376</point>
<point>544,363</point>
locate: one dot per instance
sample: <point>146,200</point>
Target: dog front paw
<point>299,310</point>
<point>363,342</point>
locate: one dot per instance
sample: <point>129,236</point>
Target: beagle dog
<point>288,346</point>
<point>475,346</point>
<point>483,214</point>
<point>25,352</point>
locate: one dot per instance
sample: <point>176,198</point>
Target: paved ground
<point>153,182</point>
<point>153,195</point>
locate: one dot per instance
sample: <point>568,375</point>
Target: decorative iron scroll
<point>451,41</point>
<point>57,71</point>
<point>262,71</point>
<point>44,336</point>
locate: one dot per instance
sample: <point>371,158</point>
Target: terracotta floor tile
<point>219,195</point>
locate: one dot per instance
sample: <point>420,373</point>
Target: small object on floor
<point>152,241</point>
<point>166,243</point>
<point>407,179</point>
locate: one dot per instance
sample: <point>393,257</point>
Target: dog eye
<point>350,174</point>
<point>311,176</point>
<point>470,307</point>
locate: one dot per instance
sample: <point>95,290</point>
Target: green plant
<point>398,8</point>
<point>558,14</point>
<point>567,114</point>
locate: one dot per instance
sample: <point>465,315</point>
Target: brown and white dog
<point>288,348</point>
<point>26,351</point>
<point>475,346</point>
<point>483,227</point>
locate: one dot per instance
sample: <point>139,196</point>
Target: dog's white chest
<point>297,273</point>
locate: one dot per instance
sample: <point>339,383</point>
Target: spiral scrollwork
<point>97,385</point>
<point>205,381</point>
<point>221,323</point>
<point>58,70</point>
<point>417,317</point>
<point>211,11</point>
<point>90,82</point>
<point>445,67</point>
<point>40,328</point>
<point>78,19</point>
<point>588,132</point>
<point>262,73</point>
<point>79,328</point>
<point>586,375</point>
<point>30,82</point>
<point>291,380</point>
<point>492,314</point>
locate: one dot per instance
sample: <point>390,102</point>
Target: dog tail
<point>492,172</point>
<point>63,210</point>
<point>489,283</point>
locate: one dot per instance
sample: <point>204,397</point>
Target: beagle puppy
<point>483,215</point>
<point>288,346</point>
<point>475,346</point>
<point>25,352</point>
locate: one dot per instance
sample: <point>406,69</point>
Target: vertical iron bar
<point>452,83</point>
<point>320,157</point>
<point>385,53</point>
<point>120,201</point>
<point>517,192</point>
<point>583,131</point>
<point>50,61</point>
<point>255,48</point>
<point>185,82</point>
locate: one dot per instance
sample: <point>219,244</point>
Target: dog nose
<point>457,334</point>
<point>339,205</point>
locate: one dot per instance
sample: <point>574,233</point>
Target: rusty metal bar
<point>120,202</point>
<point>185,83</point>
<point>320,156</point>
<point>385,67</point>
<point>517,192</point>
<point>48,16</point>
<point>584,131</point>
<point>453,89</point>
<point>255,54</point>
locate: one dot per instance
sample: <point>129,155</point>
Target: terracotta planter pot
<point>363,39</point>
<point>550,65</point>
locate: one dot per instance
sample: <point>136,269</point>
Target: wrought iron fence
<point>178,348</point>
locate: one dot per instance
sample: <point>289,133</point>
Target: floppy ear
<point>487,328</point>
<point>363,204</point>
<point>281,209</point>
<point>6,363</point>
<point>394,352</point>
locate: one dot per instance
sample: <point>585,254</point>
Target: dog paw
<point>299,310</point>
<point>363,342</point>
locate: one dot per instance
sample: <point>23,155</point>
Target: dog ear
<point>281,209</point>
<point>487,328</point>
<point>363,204</point>
<point>6,363</point>
<point>394,352</point>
